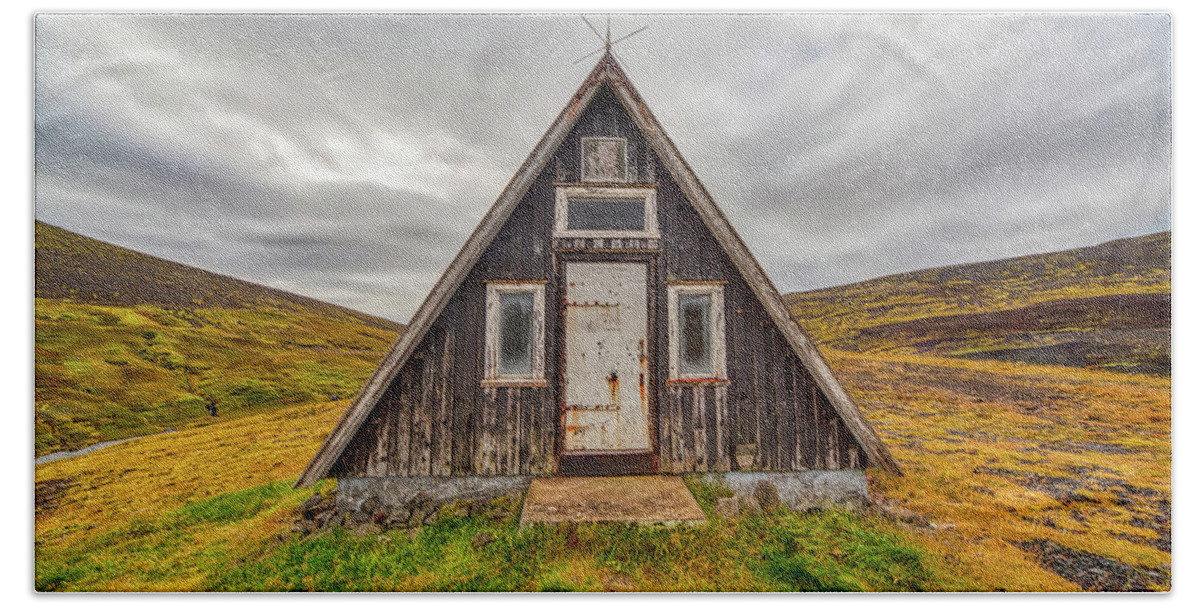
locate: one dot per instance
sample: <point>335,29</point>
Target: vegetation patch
<point>1094,572</point>
<point>765,553</point>
<point>47,493</point>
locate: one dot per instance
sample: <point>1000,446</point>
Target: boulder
<point>749,505</point>
<point>370,506</point>
<point>359,518</point>
<point>767,495</point>
<point>310,507</point>
<point>324,518</point>
<point>727,507</point>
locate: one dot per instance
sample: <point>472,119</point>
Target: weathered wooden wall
<point>436,419</point>
<point>771,403</point>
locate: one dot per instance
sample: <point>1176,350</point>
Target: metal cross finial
<point>607,37</point>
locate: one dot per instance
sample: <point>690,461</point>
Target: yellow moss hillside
<point>106,372</point>
<point>1005,453</point>
<point>146,477</point>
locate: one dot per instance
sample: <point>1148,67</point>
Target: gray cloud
<point>348,157</point>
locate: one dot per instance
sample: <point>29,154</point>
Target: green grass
<point>779,552</point>
<point>200,547</point>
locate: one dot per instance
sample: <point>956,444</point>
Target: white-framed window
<point>603,159</point>
<point>514,349</point>
<point>587,211</point>
<point>696,331</point>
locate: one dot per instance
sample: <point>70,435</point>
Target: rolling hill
<point>128,344</point>
<point>1106,306</point>
<point>84,270</point>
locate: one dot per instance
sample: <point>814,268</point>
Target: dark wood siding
<point>771,404</point>
<point>437,419</point>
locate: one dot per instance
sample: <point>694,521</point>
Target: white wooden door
<point>606,373</point>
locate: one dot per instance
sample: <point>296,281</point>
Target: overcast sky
<point>348,157</point>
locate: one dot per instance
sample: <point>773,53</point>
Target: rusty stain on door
<point>606,324</point>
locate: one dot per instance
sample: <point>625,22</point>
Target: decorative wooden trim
<point>513,282</point>
<point>491,345</point>
<point>690,283</point>
<point>649,195</point>
<point>632,244</point>
<point>699,382</point>
<point>513,383</point>
<point>716,328</point>
<point>605,184</point>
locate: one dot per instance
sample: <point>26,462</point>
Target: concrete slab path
<point>641,499</point>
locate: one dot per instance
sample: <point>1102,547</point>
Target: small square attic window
<point>605,159</point>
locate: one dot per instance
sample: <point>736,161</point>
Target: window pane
<point>606,214</point>
<point>516,334</point>
<point>695,334</point>
<point>604,160</point>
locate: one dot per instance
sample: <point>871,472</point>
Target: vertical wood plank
<point>786,424</point>
<point>529,430</point>
<point>720,395</point>
<point>512,405</point>
<point>797,416</point>
<point>423,433</point>
<point>403,439</point>
<point>546,438</point>
<point>814,399</point>
<point>699,435</point>
<point>374,429</point>
<point>832,450</point>
<point>487,421</point>
<point>754,397</point>
<point>677,456</point>
<point>444,431</point>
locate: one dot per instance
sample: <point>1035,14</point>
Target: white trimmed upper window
<point>514,352</point>
<point>696,331</point>
<point>586,211</point>
<point>604,159</point>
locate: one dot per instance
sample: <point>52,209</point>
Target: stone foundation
<point>392,493</point>
<point>799,490</point>
<point>372,504</point>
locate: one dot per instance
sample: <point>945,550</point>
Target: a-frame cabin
<point>603,318</point>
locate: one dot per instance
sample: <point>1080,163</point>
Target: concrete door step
<point>650,499</point>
